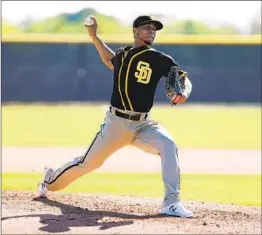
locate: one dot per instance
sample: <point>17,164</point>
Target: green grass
<point>76,125</point>
<point>229,189</point>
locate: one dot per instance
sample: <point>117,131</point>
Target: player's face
<point>146,33</point>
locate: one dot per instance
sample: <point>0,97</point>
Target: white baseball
<point>89,21</point>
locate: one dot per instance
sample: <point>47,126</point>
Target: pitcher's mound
<point>65,213</point>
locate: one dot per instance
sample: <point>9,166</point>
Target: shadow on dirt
<point>80,217</point>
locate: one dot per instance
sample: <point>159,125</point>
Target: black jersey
<point>137,72</point>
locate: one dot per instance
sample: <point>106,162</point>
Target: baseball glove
<point>178,86</point>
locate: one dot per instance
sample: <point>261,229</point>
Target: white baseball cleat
<point>42,190</point>
<point>176,209</point>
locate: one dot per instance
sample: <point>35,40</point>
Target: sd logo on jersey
<point>144,72</point>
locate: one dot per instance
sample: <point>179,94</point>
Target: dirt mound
<point>94,214</point>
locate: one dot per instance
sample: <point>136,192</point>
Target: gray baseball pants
<point>117,132</point>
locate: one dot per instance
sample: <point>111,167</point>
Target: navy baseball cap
<point>142,20</point>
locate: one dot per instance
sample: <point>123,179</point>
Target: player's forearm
<point>104,51</point>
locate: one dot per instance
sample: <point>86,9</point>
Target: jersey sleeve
<point>114,58</point>
<point>169,62</point>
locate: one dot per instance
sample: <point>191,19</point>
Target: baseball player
<point>137,71</point>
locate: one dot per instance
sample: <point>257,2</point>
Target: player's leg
<point>155,139</point>
<point>109,139</point>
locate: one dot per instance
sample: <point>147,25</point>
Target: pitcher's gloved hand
<point>178,86</point>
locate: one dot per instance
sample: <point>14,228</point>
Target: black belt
<point>133,117</point>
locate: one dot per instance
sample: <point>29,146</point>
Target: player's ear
<point>135,32</point>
